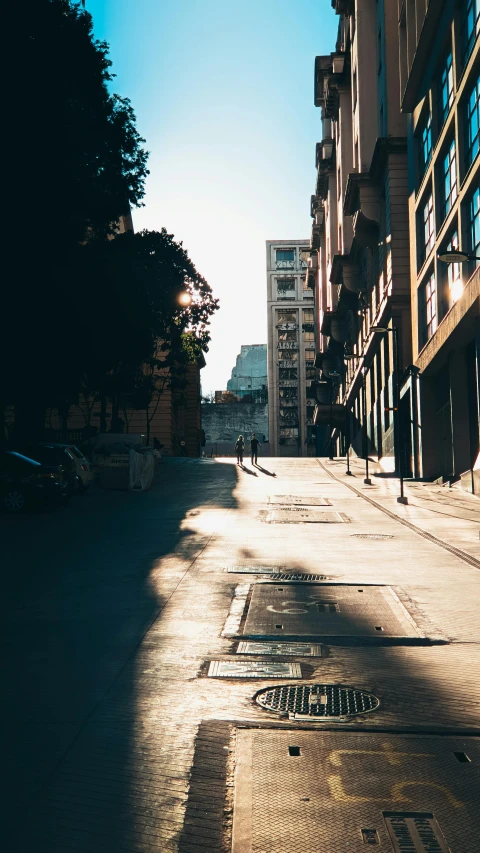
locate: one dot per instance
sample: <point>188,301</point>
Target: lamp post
<point>397,421</point>
<point>367,479</point>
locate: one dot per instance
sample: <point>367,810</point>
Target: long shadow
<point>248,471</point>
<point>81,587</point>
<point>264,471</point>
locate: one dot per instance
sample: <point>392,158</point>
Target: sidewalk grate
<point>253,669</point>
<point>415,832</point>
<point>316,701</point>
<point>298,649</point>
<point>297,576</point>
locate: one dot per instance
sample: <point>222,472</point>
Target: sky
<point>223,94</point>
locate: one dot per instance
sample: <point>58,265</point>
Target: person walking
<point>239,448</point>
<point>254,444</point>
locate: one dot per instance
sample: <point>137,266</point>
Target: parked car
<point>51,454</point>
<point>84,468</point>
<point>25,482</point>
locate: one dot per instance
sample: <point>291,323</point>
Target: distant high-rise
<point>291,349</point>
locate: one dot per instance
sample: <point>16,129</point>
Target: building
<point>360,242</point>
<point>291,349</point>
<point>249,376</point>
<point>440,93</point>
<point>224,422</point>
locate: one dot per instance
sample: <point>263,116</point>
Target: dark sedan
<point>24,482</point>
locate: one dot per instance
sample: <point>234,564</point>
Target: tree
<point>75,165</point>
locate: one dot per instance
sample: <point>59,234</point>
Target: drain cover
<point>253,669</point>
<point>415,832</point>
<point>298,499</point>
<point>300,649</point>
<point>297,515</point>
<point>372,536</point>
<point>305,701</point>
<point>297,576</point>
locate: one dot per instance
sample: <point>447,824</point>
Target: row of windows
<point>438,294</point>
<point>470,110</point>
<point>447,191</point>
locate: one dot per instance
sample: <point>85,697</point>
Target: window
<point>285,284</point>
<point>427,230</point>
<point>473,124</point>
<point>286,317</point>
<point>285,258</point>
<point>287,374</point>
<point>470,27</point>
<point>308,337</point>
<point>287,336</point>
<point>307,316</point>
<point>428,309</point>
<point>449,180</point>
<point>446,88</point>
<point>424,141</point>
<point>454,274</point>
<point>474,222</point>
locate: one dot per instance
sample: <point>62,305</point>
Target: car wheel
<point>14,501</point>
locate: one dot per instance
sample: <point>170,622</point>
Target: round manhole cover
<point>316,700</point>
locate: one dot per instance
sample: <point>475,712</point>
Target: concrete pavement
<point>116,738</point>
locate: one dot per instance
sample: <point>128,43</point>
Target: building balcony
<point>290,345</point>
<point>286,327</point>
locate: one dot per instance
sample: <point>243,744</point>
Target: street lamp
<point>184,298</point>
<point>397,421</point>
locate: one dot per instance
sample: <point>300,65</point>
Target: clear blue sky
<point>223,93</point>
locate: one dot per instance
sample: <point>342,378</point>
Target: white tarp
<point>141,470</point>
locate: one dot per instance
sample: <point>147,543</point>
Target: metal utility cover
<point>300,500</point>
<point>253,669</point>
<point>253,570</point>
<point>326,611</point>
<point>344,789</point>
<point>297,649</point>
<point>297,515</point>
<point>297,576</point>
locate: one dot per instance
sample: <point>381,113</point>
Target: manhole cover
<point>253,570</point>
<point>297,576</point>
<point>415,832</point>
<point>298,649</point>
<point>297,515</point>
<point>253,669</point>
<point>372,536</point>
<point>307,701</point>
<point>283,611</point>
<point>301,500</point>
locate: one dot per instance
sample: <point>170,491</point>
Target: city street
<point>122,736</point>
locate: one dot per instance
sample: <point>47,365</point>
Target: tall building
<point>360,231</point>
<point>440,92</point>
<point>249,376</point>
<point>291,349</point>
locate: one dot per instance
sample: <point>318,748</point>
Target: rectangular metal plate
<point>417,832</point>
<point>297,649</point>
<point>299,515</point>
<point>326,611</point>
<point>253,669</point>
<point>343,786</point>
<point>253,570</point>
<point>299,500</point>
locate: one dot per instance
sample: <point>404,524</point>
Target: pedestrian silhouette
<point>239,448</point>
<point>254,445</point>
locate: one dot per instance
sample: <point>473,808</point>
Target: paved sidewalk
<point>116,738</point>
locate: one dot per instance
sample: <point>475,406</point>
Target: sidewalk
<point>119,740</point>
